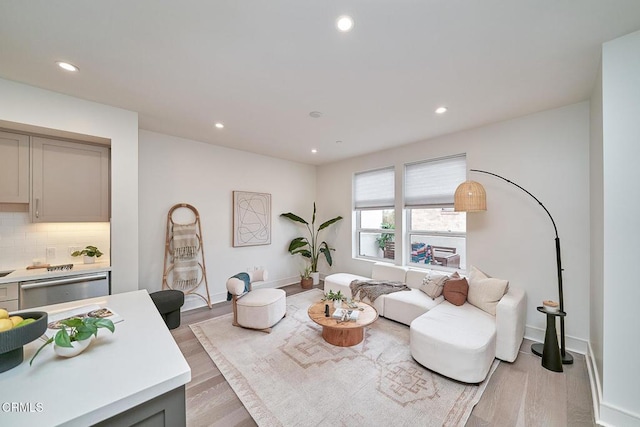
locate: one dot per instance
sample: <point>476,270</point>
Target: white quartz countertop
<point>118,371</point>
<point>23,275</point>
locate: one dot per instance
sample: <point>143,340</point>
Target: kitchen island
<point>137,373</point>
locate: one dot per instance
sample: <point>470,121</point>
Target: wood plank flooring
<point>521,393</point>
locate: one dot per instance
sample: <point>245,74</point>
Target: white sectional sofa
<point>459,342</point>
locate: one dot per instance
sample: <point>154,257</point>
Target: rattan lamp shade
<point>470,197</point>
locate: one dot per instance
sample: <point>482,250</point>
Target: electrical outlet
<point>51,253</point>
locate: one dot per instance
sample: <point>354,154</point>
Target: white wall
<point>621,151</point>
<point>546,153</point>
<point>596,319</point>
<point>175,170</point>
<point>37,107</point>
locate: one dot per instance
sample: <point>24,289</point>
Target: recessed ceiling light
<point>67,66</point>
<point>315,114</point>
<point>344,23</point>
<point>219,125</point>
<point>441,110</point>
<point>314,151</point>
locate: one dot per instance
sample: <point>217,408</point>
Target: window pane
<point>438,250</point>
<point>377,245</point>
<point>377,219</point>
<point>441,220</point>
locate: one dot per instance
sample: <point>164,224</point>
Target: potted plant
<point>310,246</point>
<point>336,297</point>
<point>386,241</point>
<point>69,343</point>
<point>306,282</point>
<point>90,254</point>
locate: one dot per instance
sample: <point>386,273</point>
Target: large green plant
<point>311,247</point>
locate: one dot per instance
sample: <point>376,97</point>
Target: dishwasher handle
<point>66,281</point>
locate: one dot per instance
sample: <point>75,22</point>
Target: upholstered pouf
<point>459,343</point>
<point>261,308</point>
<point>168,303</point>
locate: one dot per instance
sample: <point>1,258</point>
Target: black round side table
<point>551,357</point>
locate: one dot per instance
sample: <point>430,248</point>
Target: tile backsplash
<point>22,241</point>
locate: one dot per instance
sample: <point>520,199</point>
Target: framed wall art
<point>251,218</point>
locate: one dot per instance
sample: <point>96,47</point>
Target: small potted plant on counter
<point>90,254</point>
<point>71,342</point>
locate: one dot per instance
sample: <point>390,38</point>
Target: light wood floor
<point>518,394</point>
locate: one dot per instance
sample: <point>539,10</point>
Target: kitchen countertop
<point>23,275</point>
<point>117,372</point>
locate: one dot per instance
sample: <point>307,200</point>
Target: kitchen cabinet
<point>69,181</point>
<point>9,296</point>
<point>14,168</point>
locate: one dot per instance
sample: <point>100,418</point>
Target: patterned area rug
<point>292,377</point>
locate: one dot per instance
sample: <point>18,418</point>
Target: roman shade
<point>433,183</point>
<point>374,189</point>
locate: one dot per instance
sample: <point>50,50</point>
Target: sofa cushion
<point>405,306</point>
<point>455,290</point>
<point>484,291</point>
<point>458,342</point>
<point>390,272</point>
<point>433,284</point>
<point>341,281</point>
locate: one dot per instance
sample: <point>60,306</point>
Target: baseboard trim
<point>577,345</point>
<point>611,416</point>
<point>594,381</point>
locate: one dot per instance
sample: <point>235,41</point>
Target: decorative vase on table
<point>337,303</point>
<point>76,348</point>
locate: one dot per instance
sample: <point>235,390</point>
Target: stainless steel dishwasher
<point>36,293</point>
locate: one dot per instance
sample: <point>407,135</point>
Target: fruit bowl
<point>11,341</point>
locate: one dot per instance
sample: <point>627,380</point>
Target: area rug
<point>292,377</point>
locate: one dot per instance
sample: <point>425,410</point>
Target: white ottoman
<point>458,342</point>
<point>261,308</point>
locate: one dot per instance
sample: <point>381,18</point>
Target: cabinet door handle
<point>37,208</point>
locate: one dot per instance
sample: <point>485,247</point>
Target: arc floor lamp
<point>470,196</point>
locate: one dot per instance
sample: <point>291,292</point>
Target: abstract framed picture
<point>251,218</point>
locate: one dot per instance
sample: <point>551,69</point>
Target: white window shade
<point>433,183</point>
<point>374,189</point>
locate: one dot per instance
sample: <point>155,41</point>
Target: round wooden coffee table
<point>342,334</point>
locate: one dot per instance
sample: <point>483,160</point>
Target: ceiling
<point>260,67</point>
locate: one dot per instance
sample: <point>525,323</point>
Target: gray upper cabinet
<point>70,181</point>
<point>14,168</point>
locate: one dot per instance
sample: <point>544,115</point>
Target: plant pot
<point>77,348</point>
<point>306,283</point>
<point>337,304</point>
<point>316,277</point>
<point>89,259</point>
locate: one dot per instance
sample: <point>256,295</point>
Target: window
<point>436,234</point>
<point>374,203</point>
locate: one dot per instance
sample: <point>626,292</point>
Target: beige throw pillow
<point>432,284</point>
<point>484,291</point>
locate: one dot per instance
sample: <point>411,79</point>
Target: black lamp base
<point>567,358</point>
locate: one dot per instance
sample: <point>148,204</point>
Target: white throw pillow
<point>432,284</point>
<point>484,291</point>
